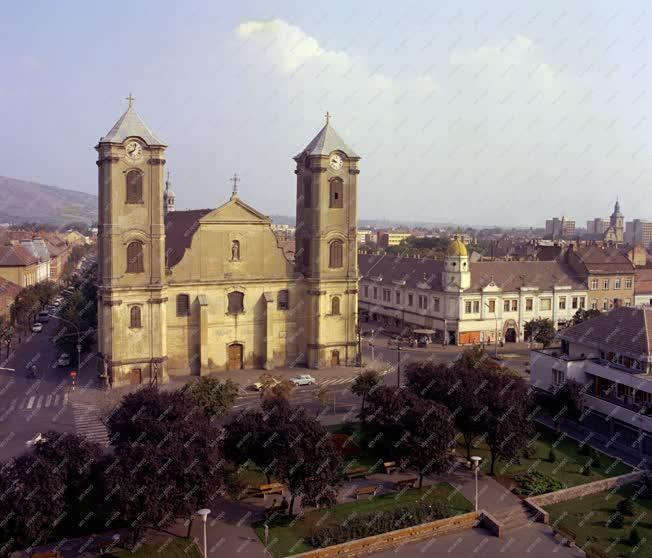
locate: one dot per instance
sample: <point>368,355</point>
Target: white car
<point>258,386</point>
<point>303,380</point>
<point>37,327</point>
<point>64,360</point>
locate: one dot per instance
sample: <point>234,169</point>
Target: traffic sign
<point>73,374</point>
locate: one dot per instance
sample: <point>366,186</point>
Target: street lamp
<point>475,464</point>
<point>203,513</point>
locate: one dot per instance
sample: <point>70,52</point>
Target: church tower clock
<point>326,248</point>
<point>131,252</point>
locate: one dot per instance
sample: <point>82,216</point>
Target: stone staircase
<point>513,517</point>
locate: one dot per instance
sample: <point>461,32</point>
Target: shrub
<point>535,483</point>
<point>595,459</point>
<point>552,456</point>
<point>617,522</point>
<point>585,450</point>
<point>529,451</point>
<point>358,527</point>
<point>586,470</point>
<point>634,537</point>
<point>626,506</point>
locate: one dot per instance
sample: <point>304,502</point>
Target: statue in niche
<point>235,251</point>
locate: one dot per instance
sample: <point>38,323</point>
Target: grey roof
<point>128,125</point>
<point>327,141</point>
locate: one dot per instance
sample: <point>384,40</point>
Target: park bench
<point>356,472</point>
<point>273,488</point>
<point>366,491</point>
<point>405,482</point>
<point>390,466</point>
<point>48,554</point>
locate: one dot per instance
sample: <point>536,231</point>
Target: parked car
<point>43,317</point>
<point>63,360</point>
<point>56,303</point>
<point>37,327</point>
<point>271,383</point>
<point>303,380</point>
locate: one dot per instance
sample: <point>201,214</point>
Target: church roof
<point>457,248</point>
<point>325,142</point>
<point>128,125</point>
<point>180,226</point>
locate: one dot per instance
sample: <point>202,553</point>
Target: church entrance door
<point>235,357</point>
<point>136,376</point>
<point>335,358</point>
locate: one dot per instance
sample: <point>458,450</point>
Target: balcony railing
<point>615,408</point>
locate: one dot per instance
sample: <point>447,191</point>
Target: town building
<point>607,272</point>
<point>21,266</point>
<point>639,231</point>
<point>466,302</point>
<point>8,293</point>
<point>597,226</point>
<point>560,228</point>
<point>385,239</point>
<point>611,355</point>
<point>206,290</point>
<point>616,230</point>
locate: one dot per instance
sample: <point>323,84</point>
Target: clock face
<point>336,161</point>
<point>134,150</point>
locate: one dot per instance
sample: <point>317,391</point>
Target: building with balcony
<point>611,356</point>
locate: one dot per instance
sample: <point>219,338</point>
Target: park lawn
<point>567,467</point>
<point>252,475</point>
<point>176,548</point>
<point>587,517</point>
<point>290,539</point>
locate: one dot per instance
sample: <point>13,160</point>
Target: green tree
<point>216,398</point>
<point>582,315</point>
<point>365,382</point>
<point>541,330</point>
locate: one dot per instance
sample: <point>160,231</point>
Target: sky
<point>490,113</point>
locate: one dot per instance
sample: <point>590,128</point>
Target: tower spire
<point>130,99</point>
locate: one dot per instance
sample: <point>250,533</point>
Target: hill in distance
<point>22,200</point>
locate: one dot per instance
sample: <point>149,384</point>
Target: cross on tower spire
<point>130,99</point>
<point>235,179</point>
<point>328,117</point>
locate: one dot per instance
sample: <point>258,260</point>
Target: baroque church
<point>206,290</point>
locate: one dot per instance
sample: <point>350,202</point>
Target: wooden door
<point>136,376</point>
<point>335,358</point>
<point>235,357</point>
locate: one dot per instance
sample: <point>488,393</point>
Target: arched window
<point>307,192</point>
<point>336,254</point>
<point>236,302</point>
<point>134,187</point>
<point>135,257</point>
<point>337,193</point>
<point>283,300</point>
<point>135,317</point>
<point>335,306</point>
<point>183,305</point>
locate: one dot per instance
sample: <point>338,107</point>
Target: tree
<point>569,399</point>
<point>541,330</point>
<point>363,385</point>
<point>215,398</point>
<point>323,396</point>
<point>472,357</point>
<point>582,315</point>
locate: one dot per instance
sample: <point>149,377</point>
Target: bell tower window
<point>135,257</point>
<point>134,187</point>
<point>336,254</point>
<point>336,193</point>
<point>135,320</point>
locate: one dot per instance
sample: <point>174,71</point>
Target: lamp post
<point>475,464</point>
<point>203,513</point>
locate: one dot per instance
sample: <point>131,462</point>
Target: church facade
<point>208,290</point>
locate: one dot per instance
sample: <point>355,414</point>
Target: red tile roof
<point>9,288</point>
<point>16,255</point>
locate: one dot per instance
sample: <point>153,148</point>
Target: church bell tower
<point>326,248</point>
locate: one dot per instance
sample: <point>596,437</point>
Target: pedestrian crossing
<point>88,423</point>
<point>33,402</point>
<point>349,380</point>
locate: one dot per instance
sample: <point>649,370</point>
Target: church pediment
<point>235,211</point>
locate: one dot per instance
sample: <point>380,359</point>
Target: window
<point>545,304</point>
<point>134,187</point>
<point>529,304</point>
<point>183,305</point>
<point>366,291</point>
<point>307,192</point>
<point>492,306</point>
<point>605,304</point>
<point>467,307</point>
<point>476,306</point>
<point>514,305</point>
<point>605,284</point>
<point>594,305</point>
<point>283,300</point>
<point>628,283</point>
<point>506,305</point>
<point>625,391</point>
<point>236,302</point>
<point>336,253</point>
<point>387,295</point>
<point>423,302</point>
<point>337,193</point>
<point>134,317</point>
<point>562,303</point>
<point>617,283</point>
<point>594,284</point>
<point>574,303</point>
<point>398,297</point>
<point>558,377</point>
<point>410,299</point>
<point>335,306</point>
<point>135,257</point>
<point>376,292</point>
<point>628,302</point>
<point>582,302</point>
<point>435,303</point>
